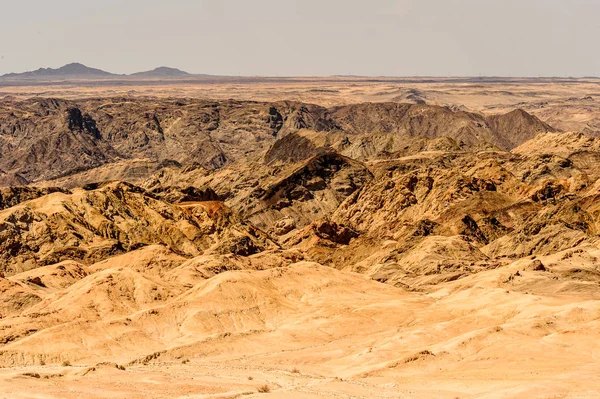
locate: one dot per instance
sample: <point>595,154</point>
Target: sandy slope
<point>310,331</point>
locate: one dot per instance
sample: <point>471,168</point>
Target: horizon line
<point>289,76</point>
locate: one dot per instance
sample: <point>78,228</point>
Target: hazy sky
<point>306,37</point>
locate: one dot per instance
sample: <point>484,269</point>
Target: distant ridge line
<point>78,70</point>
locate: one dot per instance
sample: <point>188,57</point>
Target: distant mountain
<point>161,72</point>
<point>79,71</point>
<point>73,70</point>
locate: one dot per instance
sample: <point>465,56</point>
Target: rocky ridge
<point>48,139</point>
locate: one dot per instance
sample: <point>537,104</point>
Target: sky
<point>306,37</point>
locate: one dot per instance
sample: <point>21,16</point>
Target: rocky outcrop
<point>11,196</point>
<point>177,195</point>
<point>516,127</point>
<point>310,192</point>
<point>101,221</point>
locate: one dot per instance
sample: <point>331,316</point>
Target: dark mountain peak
<point>73,69</point>
<point>76,70</point>
<point>73,65</point>
<point>162,72</point>
<point>517,126</point>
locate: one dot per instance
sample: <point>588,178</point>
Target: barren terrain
<point>300,238</point>
<point>569,104</point>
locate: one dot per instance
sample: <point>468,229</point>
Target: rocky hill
<point>77,71</point>
<point>73,70</point>
<point>161,73</point>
